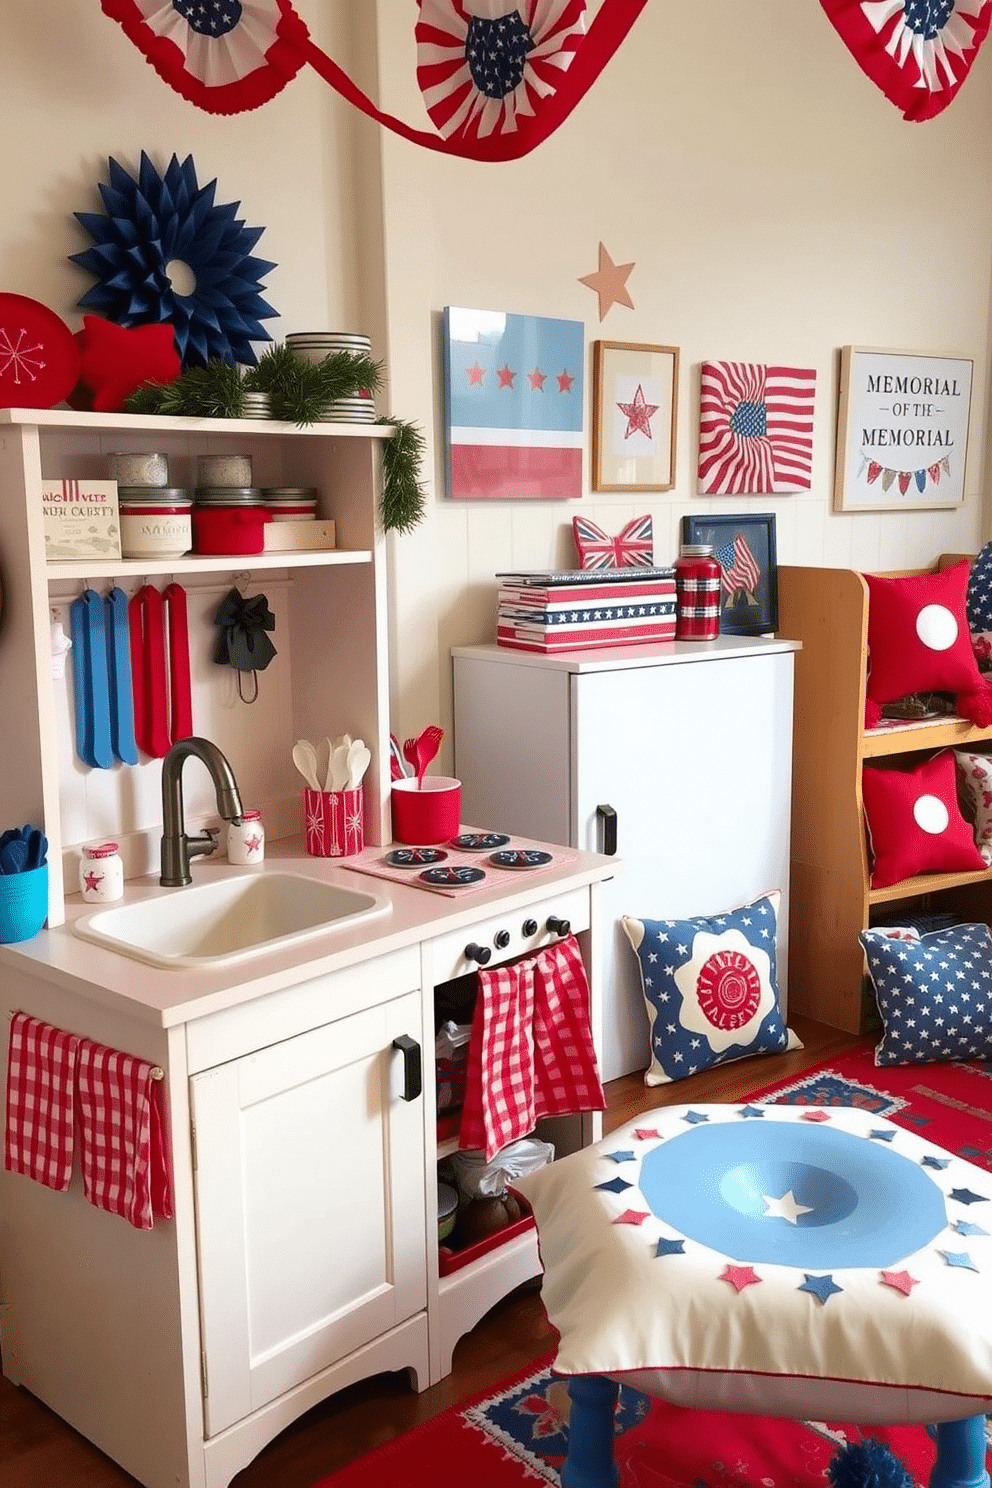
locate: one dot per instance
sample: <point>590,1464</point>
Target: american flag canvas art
<point>755,428</point>
<point>514,405</point>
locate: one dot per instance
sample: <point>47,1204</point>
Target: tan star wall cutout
<point>609,283</point>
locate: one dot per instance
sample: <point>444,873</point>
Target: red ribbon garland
<point>294,46</point>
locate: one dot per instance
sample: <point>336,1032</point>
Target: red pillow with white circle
<point>919,641</point>
<point>914,822</point>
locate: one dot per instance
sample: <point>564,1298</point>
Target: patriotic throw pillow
<point>919,641</point>
<point>633,546</point>
<point>934,995</point>
<point>914,821</point>
<point>711,988</point>
<point>919,53</point>
<point>974,773</point>
<point>755,428</point>
<point>978,603</point>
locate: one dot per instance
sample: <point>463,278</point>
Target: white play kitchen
<point>284,1013</point>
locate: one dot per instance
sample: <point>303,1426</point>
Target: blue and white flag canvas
<point>513,405</point>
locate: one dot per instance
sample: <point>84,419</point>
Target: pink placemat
<point>372,860</point>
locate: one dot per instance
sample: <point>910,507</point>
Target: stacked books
<point>585,609</point>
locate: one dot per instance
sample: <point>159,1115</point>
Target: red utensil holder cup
<point>333,822</point>
<point>428,814</point>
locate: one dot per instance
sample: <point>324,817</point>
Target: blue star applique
<point>615,1185</point>
<point>882,1136</point>
<point>670,1247</point>
<point>748,1112</point>
<point>823,1287</point>
<point>964,1228</point>
<point>936,1162</point>
<point>619,1157</point>
<point>695,1117</point>
<point>958,1258</point>
<point>965,1196</point>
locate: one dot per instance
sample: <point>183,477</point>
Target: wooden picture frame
<point>748,607</point>
<point>634,416</point>
<point>902,430</point>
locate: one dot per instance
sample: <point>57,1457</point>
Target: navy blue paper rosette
<point>157,228</point>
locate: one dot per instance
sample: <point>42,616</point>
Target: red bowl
<point>222,530</point>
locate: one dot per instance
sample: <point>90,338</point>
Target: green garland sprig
<point>299,392</point>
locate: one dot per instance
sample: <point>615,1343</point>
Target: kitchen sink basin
<point>214,924</point>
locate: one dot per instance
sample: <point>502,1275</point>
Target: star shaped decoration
<point>537,379</point>
<point>786,1207</point>
<point>963,1227</point>
<point>823,1287</point>
<point>565,380</point>
<point>936,1162</point>
<point>965,1196</point>
<point>614,1185</point>
<point>900,1281</point>
<point>882,1136</point>
<point>695,1118</point>
<point>739,1276</point>
<point>116,360</point>
<point>92,880</point>
<point>505,376</point>
<point>669,1247</point>
<point>632,1217</point>
<point>621,1155</point>
<point>475,374</point>
<point>638,414</point>
<point>958,1258</point>
<point>610,283</point>
<point>814,1116</point>
<point>645,1133</point>
<point>750,1113</point>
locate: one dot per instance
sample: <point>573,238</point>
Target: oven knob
<point>557,926</point>
<point>529,928</point>
<point>478,953</point>
<point>502,939</point>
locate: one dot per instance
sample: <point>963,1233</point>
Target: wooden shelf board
<point>906,738</point>
<point>925,883</point>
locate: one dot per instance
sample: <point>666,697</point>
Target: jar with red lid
<point>225,530</point>
<point>697,584</point>
<point>246,839</point>
<point>101,873</point>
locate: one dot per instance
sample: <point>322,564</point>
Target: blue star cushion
<point>711,989</point>
<point>934,995</point>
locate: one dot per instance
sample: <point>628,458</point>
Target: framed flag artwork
<point>635,407</point>
<point>744,547</point>
<point>513,394</point>
<point>755,429</point>
<point>902,430</point>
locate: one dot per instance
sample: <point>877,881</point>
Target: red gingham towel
<point>531,1052</point>
<point>122,1135</point>
<point>40,1089</point>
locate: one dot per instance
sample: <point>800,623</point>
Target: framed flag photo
<point>744,547</point>
<point>513,402</point>
<point>634,416</point>
<point>902,430</point>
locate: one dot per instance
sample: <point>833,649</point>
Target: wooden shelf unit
<point>827,610</point>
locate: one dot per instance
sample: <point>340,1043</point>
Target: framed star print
<point>635,408</point>
<point>902,430</point>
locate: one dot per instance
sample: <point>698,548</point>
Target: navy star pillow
<point>711,988</point>
<point>934,995</point>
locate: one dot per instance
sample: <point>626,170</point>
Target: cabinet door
<point>310,1203</point>
<point>697,762</point>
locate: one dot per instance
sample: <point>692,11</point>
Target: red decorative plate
<point>39,358</point>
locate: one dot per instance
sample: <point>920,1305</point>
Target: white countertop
<point>622,658</point>
<point>167,997</point>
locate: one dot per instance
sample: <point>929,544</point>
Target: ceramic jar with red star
<point>246,839</point>
<point>101,873</point>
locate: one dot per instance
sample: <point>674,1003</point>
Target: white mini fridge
<point>677,756</point>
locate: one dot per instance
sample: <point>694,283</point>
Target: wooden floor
<point>37,1450</point>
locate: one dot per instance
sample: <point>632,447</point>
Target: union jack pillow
<point>633,546</point>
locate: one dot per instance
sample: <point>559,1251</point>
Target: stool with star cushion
<point>787,1261</point>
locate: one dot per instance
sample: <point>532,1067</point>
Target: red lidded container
<point>229,529</point>
<point>697,584</point>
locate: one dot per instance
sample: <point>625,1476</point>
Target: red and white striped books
<point>550,613</point>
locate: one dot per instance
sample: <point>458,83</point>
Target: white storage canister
<point>155,522</point>
<point>101,873</point>
<point>246,839</point>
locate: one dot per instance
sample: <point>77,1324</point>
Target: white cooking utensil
<point>305,760</point>
<point>323,751</point>
<point>359,759</point>
<point>339,767</point>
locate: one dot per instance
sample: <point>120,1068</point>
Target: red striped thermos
<point>697,584</point>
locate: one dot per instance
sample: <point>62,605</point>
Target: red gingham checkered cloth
<point>40,1091</point>
<point>531,1052</point>
<point>122,1135</point>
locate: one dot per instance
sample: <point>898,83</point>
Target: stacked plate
<point>357,410</point>
<point>314,346</point>
<point>256,405</point>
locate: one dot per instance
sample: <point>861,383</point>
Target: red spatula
<point>421,751</point>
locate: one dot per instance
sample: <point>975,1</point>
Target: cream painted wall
<point>775,204</point>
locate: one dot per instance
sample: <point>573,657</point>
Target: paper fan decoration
<point>160,229</point>
<point>484,65</point>
<point>633,546</point>
<point>223,57</point>
<point>39,358</point>
<point>918,52</point>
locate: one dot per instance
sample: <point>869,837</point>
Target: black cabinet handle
<point>557,926</point>
<point>502,939</point>
<point>413,1072</point>
<point>608,816</point>
<point>474,952</point>
<point>529,928</point>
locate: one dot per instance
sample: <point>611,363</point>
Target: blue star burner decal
<point>792,1194</point>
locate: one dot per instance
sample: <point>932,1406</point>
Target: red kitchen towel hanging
<point>41,1070</point>
<point>531,1053</point>
<point>122,1135</point>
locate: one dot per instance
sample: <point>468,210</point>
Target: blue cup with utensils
<point>23,883</point>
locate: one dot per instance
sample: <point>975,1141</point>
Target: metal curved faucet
<point>177,848</point>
